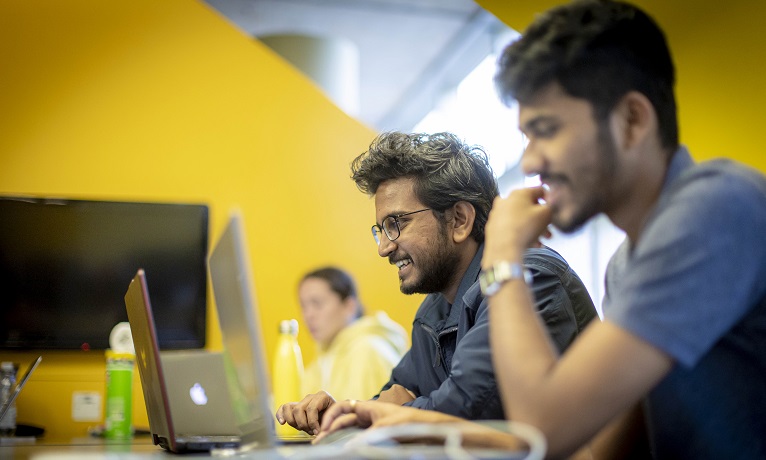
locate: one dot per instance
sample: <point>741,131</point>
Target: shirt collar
<point>679,162</point>
<point>469,278</point>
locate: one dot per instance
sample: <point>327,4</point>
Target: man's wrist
<point>493,277</point>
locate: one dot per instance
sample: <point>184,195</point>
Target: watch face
<point>487,282</point>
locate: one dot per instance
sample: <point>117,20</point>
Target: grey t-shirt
<point>694,286</point>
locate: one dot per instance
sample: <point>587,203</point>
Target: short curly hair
<point>445,169</point>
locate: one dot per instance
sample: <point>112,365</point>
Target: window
<point>474,113</point>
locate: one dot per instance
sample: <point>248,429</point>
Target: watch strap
<point>492,278</point>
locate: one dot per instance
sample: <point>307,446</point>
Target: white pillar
<point>332,63</point>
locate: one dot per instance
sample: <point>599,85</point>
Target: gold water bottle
<point>287,373</point>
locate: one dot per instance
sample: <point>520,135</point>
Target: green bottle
<point>119,395</point>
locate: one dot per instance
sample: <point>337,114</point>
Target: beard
<point>597,184</point>
<point>436,268</point>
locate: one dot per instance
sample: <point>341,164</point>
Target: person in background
<point>682,348</point>
<point>355,352</point>
<point>433,193</point>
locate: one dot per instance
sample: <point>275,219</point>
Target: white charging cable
<point>377,443</point>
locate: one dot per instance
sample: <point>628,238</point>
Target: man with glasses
<point>432,198</point>
<point>681,353</point>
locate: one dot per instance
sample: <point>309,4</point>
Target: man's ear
<point>462,224</point>
<point>634,118</point>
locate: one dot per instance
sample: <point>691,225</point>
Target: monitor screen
<point>65,266</point>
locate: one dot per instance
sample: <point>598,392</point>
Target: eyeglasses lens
<point>391,227</point>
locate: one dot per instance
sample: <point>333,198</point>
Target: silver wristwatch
<point>495,276</point>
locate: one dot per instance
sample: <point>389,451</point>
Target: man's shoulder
<point>710,199</point>
<point>721,176</point>
<point>545,258</point>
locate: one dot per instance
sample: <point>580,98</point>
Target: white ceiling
<point>409,49</point>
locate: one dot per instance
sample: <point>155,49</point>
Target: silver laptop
<point>200,398</point>
<point>241,332</point>
<point>184,375</point>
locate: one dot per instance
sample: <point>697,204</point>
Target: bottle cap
<point>121,340</point>
<point>288,326</point>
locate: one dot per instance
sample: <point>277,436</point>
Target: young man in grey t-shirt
<point>683,343</point>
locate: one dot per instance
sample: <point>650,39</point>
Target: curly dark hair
<point>445,169</point>
<point>597,50</point>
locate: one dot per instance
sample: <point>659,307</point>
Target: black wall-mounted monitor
<point>65,266</point>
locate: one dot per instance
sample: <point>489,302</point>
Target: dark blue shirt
<point>449,366</point>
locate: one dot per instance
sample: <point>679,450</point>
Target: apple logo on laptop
<point>197,393</point>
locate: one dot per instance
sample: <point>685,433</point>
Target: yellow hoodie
<point>359,360</point>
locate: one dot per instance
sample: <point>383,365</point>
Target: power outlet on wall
<point>86,406</point>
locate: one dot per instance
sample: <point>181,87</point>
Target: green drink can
<point>119,393</point>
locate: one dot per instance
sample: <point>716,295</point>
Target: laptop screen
<point>148,359</point>
<point>241,332</point>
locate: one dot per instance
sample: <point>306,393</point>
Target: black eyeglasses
<point>391,226</point>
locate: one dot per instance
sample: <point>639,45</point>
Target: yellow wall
<point>166,101</point>
<point>719,50</point>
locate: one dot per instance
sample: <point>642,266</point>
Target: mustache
<point>394,258</point>
<point>547,178</point>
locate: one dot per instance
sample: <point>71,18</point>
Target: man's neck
<point>468,251</point>
<point>634,208</point>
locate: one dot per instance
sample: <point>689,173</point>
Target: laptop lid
<point>200,403</point>
<point>153,377</point>
<point>19,386</point>
<point>241,332</point>
<point>149,363</point>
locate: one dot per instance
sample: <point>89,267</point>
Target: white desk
<point>141,448</point>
